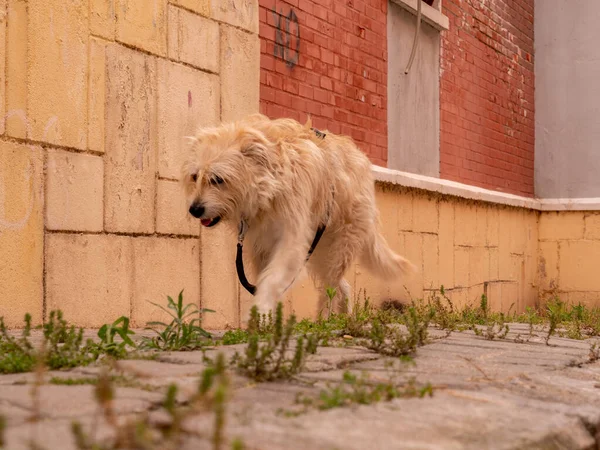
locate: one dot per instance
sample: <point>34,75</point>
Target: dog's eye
<point>216,180</point>
<point>195,177</point>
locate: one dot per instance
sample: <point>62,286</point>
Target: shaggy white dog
<point>283,180</point>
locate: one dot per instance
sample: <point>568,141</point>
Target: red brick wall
<point>337,73</point>
<point>487,94</point>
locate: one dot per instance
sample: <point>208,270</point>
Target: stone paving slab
<point>487,395</point>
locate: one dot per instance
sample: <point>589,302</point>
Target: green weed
<point>272,358</point>
<point>184,332</point>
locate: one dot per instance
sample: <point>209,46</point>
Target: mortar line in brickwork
<point>119,233</point>
<point>165,58</point>
<point>213,19</point>
<point>167,179</point>
<point>458,288</point>
<point>46,145</point>
<point>45,210</point>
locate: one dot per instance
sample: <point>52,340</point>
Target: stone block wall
<point>95,100</point>
<point>569,252</point>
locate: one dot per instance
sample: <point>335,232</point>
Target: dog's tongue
<point>205,222</point>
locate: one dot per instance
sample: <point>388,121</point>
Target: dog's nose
<point>197,210</point>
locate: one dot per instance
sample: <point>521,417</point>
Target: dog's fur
<point>285,181</point>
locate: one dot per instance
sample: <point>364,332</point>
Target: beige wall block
<point>200,6</point>
<point>431,262</point>
<point>74,191</point>
<point>518,231</point>
<point>494,256</point>
<point>592,226</point>
<point>589,299</point>
<point>96,94</point>
<point>187,99</point>
<point>493,224</point>
<point>506,269</point>
<point>3,19</point>
<point>103,18</point>
<point>21,232</point>
<point>561,225</point>
<point>466,224</point>
<point>240,73</point>
<point>57,71</point>
<point>425,214</point>
<point>143,24</point>
<point>446,243</point>
<point>130,141</point>
<point>162,267</point>
<point>388,216</point>
<point>494,295</point>
<point>304,298</point>
<point>88,277</point>
<point>461,267</point>
<point>241,13</point>
<point>219,281</point>
<point>578,269</point>
<point>198,41</point>
<point>414,253</point>
<point>172,216</point>
<point>173,32</point>
<point>479,266</point>
<point>404,202</point>
<point>17,123</point>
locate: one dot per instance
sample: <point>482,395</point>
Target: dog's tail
<point>379,258</point>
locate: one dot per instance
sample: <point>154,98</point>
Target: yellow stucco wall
<point>95,98</point>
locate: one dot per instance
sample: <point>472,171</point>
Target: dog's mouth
<point>210,222</point>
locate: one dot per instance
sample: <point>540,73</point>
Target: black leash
<point>239,260</point>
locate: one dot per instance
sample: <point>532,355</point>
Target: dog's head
<point>228,173</point>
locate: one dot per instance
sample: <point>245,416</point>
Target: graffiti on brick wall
<point>287,37</point>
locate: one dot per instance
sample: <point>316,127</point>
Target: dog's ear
<point>254,145</point>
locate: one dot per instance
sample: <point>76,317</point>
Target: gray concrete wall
<point>567,106</point>
<point>413,99</point>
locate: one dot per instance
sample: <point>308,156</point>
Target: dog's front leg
<point>285,263</point>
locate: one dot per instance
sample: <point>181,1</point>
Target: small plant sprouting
<point>361,390</point>
<point>272,358</point>
<point>107,333</point>
<point>331,293</point>
<point>594,352</point>
<point>232,337</point>
<point>16,354</point>
<point>184,332</point>
<point>555,312</point>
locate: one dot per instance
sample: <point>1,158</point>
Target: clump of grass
<point>107,334</point>
<point>555,311</point>
<point>391,339</point>
<point>16,353</point>
<point>142,433</point>
<point>271,359</point>
<point>494,329</point>
<point>232,337</point>
<point>73,381</point>
<point>354,389</point>
<point>184,332</point>
<point>2,431</point>
<point>63,344</point>
<point>594,352</point>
